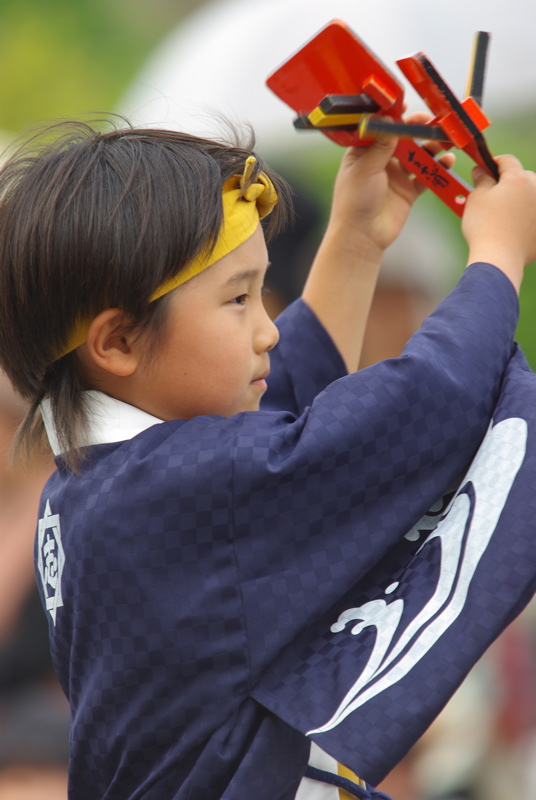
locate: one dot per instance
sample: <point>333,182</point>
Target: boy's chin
<point>252,405</point>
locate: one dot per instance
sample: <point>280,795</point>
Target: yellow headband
<point>243,207</point>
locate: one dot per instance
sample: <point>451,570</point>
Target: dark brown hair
<point>94,219</point>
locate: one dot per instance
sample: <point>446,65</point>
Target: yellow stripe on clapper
<point>320,119</point>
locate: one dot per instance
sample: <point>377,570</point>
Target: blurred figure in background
<point>34,715</point>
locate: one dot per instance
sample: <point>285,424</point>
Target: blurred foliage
<point>517,134</point>
<point>62,58</point>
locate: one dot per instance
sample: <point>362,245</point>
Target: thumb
<point>381,151</point>
<point>482,179</point>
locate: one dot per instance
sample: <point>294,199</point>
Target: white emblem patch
<point>50,559</point>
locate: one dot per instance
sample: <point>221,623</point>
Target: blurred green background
<point>61,58</point>
<point>65,58</point>
<point>517,135</point>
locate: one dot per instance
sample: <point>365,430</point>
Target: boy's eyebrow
<point>244,275</point>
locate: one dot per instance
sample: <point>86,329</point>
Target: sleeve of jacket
<point>366,600</point>
<point>321,499</point>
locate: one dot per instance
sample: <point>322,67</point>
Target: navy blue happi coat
<point>222,592</point>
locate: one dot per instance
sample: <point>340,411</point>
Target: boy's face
<point>214,353</point>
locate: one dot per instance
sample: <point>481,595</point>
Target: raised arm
<point>500,218</point>
<point>372,198</point>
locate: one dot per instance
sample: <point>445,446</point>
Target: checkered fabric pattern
<point>385,705</point>
<point>204,562</point>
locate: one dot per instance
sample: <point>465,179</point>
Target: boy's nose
<point>267,334</point>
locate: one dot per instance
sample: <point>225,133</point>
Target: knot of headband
<point>245,203</point>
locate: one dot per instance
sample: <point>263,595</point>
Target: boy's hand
<point>499,221</point>
<point>372,198</point>
<point>373,193</point>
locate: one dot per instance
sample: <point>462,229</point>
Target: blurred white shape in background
<point>218,58</point>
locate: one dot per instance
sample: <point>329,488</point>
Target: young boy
<point>197,556</point>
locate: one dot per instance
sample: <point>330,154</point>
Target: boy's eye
<point>240,300</point>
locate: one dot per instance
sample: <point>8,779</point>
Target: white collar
<point>110,420</point>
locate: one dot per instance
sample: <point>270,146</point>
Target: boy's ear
<point>110,343</point>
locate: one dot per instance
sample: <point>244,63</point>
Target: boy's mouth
<point>261,380</point>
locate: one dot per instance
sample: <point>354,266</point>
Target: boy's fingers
<point>481,178</point>
<point>374,157</point>
<point>506,164</point>
<point>418,118</point>
<point>381,151</point>
<point>448,160</point>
